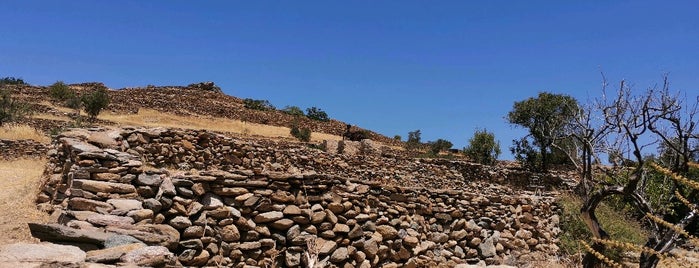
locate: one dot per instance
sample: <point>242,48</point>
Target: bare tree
<point>633,123</point>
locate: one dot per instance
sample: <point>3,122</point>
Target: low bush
<point>60,91</point>
<point>303,134</point>
<point>316,113</point>
<point>439,145</point>
<point>11,81</point>
<point>293,110</point>
<point>262,105</point>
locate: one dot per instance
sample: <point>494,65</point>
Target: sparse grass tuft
<point>23,132</point>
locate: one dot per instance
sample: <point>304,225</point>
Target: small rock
<point>268,217</point>
<point>339,255</point>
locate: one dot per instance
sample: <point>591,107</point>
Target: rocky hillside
<point>195,99</point>
<point>261,203</point>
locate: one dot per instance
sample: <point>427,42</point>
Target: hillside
<point>191,101</point>
<point>160,164</point>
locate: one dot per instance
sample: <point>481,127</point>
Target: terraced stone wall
<point>256,203</point>
<point>12,149</point>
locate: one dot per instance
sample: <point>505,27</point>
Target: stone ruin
<point>120,196</point>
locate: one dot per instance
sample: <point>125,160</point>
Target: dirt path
<point>19,184</point>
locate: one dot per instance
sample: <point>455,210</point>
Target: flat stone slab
<point>59,233</point>
<point>22,253</point>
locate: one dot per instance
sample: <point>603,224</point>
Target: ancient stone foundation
<point>218,201</point>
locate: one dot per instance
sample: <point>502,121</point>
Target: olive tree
<point>545,117</point>
<point>95,101</point>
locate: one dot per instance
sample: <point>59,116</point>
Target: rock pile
<point>247,203</point>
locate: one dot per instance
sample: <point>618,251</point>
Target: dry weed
<point>153,118</point>
<point>19,181</point>
<point>22,132</point>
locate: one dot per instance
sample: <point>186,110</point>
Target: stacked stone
<point>13,149</point>
<point>259,212</point>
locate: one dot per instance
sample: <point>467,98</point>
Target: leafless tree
<point>631,124</point>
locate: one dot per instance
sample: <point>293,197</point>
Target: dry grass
<point>19,181</point>
<point>153,118</point>
<point>23,132</point>
<point>52,117</point>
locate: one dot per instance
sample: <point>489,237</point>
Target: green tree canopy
<point>95,101</point>
<point>482,147</point>
<point>545,117</point>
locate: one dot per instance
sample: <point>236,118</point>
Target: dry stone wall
<point>12,149</point>
<point>245,203</point>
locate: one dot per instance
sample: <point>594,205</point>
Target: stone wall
<point>246,202</point>
<point>12,149</point>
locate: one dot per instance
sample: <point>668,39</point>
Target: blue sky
<point>444,67</point>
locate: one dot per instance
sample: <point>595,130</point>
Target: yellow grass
<point>153,118</point>
<point>51,117</point>
<point>58,108</point>
<point>19,181</point>
<point>23,132</point>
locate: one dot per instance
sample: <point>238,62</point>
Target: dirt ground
<point>19,184</point>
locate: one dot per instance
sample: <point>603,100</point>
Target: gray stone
<point>180,222</point>
<point>149,180</point>
<point>211,201</point>
<point>40,253</point>
<point>118,240</point>
<point>112,254</point>
<point>59,233</point>
<point>109,220</point>
<point>154,256</point>
<point>125,205</point>
<point>339,255</point>
<point>487,248</point>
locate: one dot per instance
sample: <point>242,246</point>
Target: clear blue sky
<point>444,67</point>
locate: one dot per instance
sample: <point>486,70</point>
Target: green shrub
<point>439,145</point>
<point>11,109</point>
<point>316,114</point>
<point>73,102</point>
<point>95,101</point>
<point>262,105</point>
<point>293,110</point>
<point>619,225</point>
<point>483,148</point>
<point>60,91</point>
<point>397,137</point>
<point>303,134</point>
<point>11,81</point>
